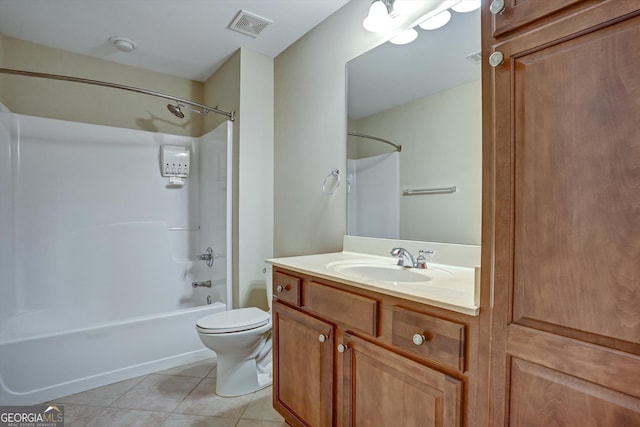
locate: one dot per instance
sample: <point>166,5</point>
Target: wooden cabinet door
<point>566,290</point>
<point>517,13</point>
<point>303,368</point>
<point>381,388</point>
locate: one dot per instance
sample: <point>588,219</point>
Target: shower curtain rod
<point>375,138</point>
<point>205,108</point>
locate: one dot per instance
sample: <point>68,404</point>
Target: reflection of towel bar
<point>196,228</point>
<point>434,190</point>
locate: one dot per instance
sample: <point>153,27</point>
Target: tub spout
<point>206,284</point>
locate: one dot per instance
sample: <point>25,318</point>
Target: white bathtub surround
<point>98,258</point>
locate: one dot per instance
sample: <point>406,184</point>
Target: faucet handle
<point>421,260</point>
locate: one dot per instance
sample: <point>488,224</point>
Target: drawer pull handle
<point>341,348</point>
<point>496,7</point>
<point>281,288</point>
<point>496,59</point>
<point>418,339</point>
<point>322,337</point>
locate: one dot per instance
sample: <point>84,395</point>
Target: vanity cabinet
<point>347,356</point>
<point>303,370</point>
<point>564,220</point>
<point>383,388</point>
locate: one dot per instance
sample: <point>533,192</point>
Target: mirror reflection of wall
<point>426,97</point>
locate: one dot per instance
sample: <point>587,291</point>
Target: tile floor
<point>182,396</point>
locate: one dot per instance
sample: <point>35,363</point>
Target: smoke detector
<point>123,44</point>
<point>249,24</point>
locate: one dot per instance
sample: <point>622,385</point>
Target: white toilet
<point>241,339</point>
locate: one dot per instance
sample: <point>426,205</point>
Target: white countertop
<point>457,292</point>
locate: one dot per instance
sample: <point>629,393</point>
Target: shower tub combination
<point>99,253</point>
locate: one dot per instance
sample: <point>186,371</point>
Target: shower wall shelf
<point>431,190</point>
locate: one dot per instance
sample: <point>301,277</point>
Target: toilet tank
<point>268,271</point>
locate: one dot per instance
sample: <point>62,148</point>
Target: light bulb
<point>405,37</point>
<point>378,18</point>
<point>436,21</point>
<point>406,6</point>
<point>466,6</point>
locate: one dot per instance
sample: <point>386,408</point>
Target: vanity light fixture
<point>436,21</point>
<point>379,18</point>
<point>402,7</point>
<point>382,12</point>
<point>466,6</point>
<point>405,37</point>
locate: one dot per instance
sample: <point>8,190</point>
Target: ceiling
<point>184,38</point>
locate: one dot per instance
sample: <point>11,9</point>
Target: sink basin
<point>387,272</point>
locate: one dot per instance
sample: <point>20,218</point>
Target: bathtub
<point>97,260</point>
<point>47,367</point>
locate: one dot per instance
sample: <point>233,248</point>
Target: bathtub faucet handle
<point>207,256</point>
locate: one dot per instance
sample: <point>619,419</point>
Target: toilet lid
<point>240,319</point>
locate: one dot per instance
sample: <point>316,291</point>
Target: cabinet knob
<point>496,58</point>
<point>279,288</point>
<point>496,7</point>
<point>341,348</point>
<point>322,337</point>
<point>418,339</point>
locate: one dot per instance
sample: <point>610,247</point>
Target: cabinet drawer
<point>428,336</point>
<point>286,288</point>
<point>349,309</point>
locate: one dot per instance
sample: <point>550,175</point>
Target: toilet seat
<point>240,319</point>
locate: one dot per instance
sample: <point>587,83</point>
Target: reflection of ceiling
<point>392,75</point>
<point>186,38</point>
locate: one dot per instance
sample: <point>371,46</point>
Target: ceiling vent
<point>249,24</point>
<point>475,57</point>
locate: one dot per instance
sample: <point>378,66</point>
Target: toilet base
<point>236,379</point>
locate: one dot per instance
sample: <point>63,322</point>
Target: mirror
<point>426,97</point>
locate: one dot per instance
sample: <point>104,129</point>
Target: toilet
<point>241,339</point>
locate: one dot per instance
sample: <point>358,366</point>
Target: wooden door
<point>382,388</point>
<point>303,367</point>
<point>517,13</point>
<point>566,225</point>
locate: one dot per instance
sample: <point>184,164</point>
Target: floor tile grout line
<point>166,414</point>
<point>187,395</point>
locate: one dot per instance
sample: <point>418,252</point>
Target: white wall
<point>310,130</point>
<point>93,104</point>
<point>255,177</point>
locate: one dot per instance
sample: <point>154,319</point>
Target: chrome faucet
<point>405,259</point>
